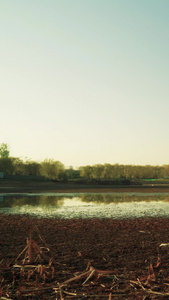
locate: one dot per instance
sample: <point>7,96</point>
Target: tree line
<point>55,170</point>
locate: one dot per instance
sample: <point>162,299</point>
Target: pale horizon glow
<point>85,82</point>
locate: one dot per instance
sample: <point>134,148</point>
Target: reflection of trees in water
<point>100,198</point>
<point>51,201</point>
<point>43,201</point>
<point>97,198</point>
<point>16,201</point>
<point>118,198</point>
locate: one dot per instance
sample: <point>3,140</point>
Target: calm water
<point>86,205</point>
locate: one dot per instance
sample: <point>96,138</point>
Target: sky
<point>85,82</point>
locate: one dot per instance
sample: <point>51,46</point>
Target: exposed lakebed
<point>86,205</point>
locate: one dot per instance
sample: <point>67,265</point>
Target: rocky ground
<point>84,258</point>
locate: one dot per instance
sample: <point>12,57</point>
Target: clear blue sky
<point>85,81</point>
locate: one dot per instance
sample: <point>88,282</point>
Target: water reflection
<point>107,198</point>
<point>87,205</point>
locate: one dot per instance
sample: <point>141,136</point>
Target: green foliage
<point>51,169</point>
<point>6,165</point>
<point>71,173</point>
<point>117,171</point>
<point>19,166</point>
<point>32,168</point>
<point>98,171</point>
<point>4,151</point>
<point>86,172</point>
<point>55,170</point>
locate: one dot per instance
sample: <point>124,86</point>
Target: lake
<point>86,205</point>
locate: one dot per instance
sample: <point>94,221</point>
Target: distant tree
<point>6,165</point>
<point>71,173</point>
<point>4,151</point>
<point>32,168</point>
<point>98,171</point>
<point>127,171</point>
<point>108,171</point>
<point>18,165</point>
<point>116,171</point>
<point>165,170</point>
<point>51,169</point>
<point>86,172</point>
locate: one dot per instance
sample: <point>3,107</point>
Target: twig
<point>157,293</point>
<point>68,293</point>
<point>76,278</point>
<point>4,298</point>
<point>149,291</point>
<point>90,275</point>
<point>21,252</point>
<point>30,247</point>
<point>46,245</point>
<point>138,282</point>
<point>60,290</point>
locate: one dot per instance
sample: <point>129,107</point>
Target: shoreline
<point>83,190</point>
<point>33,187</point>
<point>28,184</point>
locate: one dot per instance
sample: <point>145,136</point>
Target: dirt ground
<point>84,258</point>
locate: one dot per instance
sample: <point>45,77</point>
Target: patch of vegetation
<point>98,174</point>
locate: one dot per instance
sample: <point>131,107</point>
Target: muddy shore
<point>83,258</point>
<point>124,255</point>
